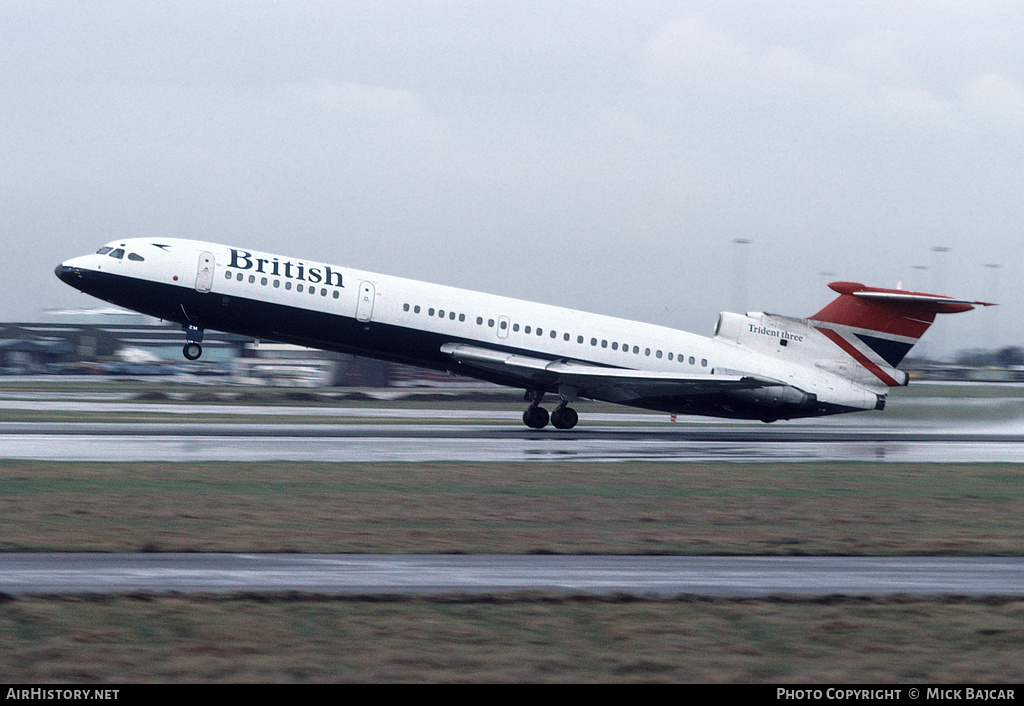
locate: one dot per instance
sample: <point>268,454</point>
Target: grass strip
<point>606,508</point>
<point>146,638</point>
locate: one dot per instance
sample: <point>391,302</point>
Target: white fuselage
<point>280,298</point>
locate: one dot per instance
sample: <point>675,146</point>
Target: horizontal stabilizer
<point>934,303</point>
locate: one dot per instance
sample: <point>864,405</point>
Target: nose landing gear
<point>193,336</point>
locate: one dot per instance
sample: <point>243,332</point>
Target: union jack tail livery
<point>878,327</point>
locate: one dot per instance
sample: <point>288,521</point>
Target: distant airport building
<point>118,342</point>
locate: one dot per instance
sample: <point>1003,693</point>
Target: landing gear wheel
<point>564,418</point>
<point>535,417</point>
<point>192,350</point>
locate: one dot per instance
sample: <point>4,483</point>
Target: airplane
<point>758,366</point>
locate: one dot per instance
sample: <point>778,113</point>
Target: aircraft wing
<point>598,382</point>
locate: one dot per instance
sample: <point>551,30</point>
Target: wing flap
<point>598,382</point>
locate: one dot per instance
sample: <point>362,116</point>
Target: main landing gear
<point>536,417</point>
<point>193,336</point>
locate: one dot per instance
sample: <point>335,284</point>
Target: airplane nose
<point>64,273</point>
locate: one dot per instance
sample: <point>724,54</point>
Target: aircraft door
<point>204,276</point>
<point>364,307</point>
<point>502,327</point>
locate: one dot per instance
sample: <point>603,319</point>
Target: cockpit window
<point>104,250</point>
<point>119,253</point>
<point>135,258</point>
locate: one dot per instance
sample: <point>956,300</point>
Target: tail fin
<point>878,327</point>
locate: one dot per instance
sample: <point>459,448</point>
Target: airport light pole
<point>993,292</point>
<point>920,285</point>
<point>739,288</point>
<point>940,288</point>
<point>826,278</point>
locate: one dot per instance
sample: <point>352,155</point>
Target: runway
<point>384,441</point>
<point>435,574</point>
<point>409,435</point>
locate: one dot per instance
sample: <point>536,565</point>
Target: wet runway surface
<point>383,441</point>
<point>394,433</point>
<point>424,574</point>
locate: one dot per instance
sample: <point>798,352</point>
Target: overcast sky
<point>596,155</point>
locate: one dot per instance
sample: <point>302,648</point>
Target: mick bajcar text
<point>966,693</point>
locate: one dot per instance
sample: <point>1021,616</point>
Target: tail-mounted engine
<point>764,333</point>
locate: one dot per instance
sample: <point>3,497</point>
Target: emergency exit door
<point>204,275</point>
<point>364,307</point>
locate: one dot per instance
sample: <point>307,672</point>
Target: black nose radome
<point>64,273</point>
